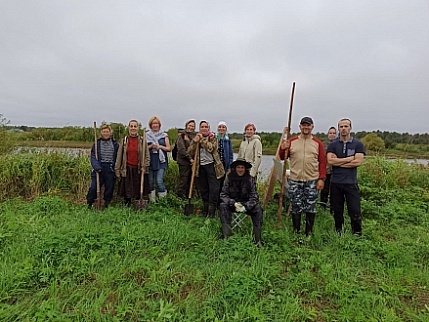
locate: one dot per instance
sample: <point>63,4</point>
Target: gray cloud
<point>73,62</point>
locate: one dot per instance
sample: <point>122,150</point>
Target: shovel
<point>141,204</point>
<point>98,201</point>
<point>189,207</point>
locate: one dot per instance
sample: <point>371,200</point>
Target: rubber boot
<point>226,231</point>
<point>257,240</point>
<point>296,222</point>
<point>356,223</point>
<point>309,223</point>
<point>206,209</point>
<point>127,202</point>
<point>162,194</point>
<point>212,211</point>
<point>152,196</point>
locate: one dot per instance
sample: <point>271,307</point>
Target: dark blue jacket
<point>227,146</point>
<point>94,161</point>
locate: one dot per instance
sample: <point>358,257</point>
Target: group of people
<point>330,170</point>
<point>139,162</point>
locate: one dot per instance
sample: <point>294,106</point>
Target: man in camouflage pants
<point>307,173</point>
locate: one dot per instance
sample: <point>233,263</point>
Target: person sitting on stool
<point>239,195</point>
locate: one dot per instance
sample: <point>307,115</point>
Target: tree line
<point>374,140</point>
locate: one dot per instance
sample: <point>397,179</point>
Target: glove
<point>239,207</point>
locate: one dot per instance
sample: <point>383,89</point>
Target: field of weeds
<point>62,262</point>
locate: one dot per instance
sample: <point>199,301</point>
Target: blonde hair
<point>152,119</point>
<point>106,126</point>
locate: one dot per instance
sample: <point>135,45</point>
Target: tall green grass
<point>62,262</point>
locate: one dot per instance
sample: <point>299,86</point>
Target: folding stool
<point>238,220</point>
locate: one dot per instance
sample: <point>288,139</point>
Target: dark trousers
<point>350,194</point>
<point>324,194</point>
<point>209,184</point>
<point>185,175</point>
<point>255,214</point>
<point>107,178</point>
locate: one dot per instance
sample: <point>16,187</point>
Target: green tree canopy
<point>373,142</point>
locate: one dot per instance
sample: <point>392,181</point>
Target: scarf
<point>154,137</point>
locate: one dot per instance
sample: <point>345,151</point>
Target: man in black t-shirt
<point>345,154</point>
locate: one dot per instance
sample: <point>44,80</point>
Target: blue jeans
<point>158,177</point>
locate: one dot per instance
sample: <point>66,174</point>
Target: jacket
<point>121,159</point>
<point>211,146</point>
<point>183,156</point>
<point>228,153</point>
<point>239,189</point>
<point>251,151</point>
<point>307,159</point>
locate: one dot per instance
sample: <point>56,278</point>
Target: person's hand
<point>239,207</point>
<point>285,144</point>
<point>320,184</point>
<point>198,137</point>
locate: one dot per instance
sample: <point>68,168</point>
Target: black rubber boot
<point>206,209</point>
<point>296,222</point>
<point>257,239</point>
<point>127,202</point>
<point>226,231</point>
<point>212,211</point>
<point>309,223</point>
<point>356,223</point>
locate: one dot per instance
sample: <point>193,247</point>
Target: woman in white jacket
<point>251,149</point>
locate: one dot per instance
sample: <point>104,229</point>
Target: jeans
<point>158,177</point>
<point>107,178</point>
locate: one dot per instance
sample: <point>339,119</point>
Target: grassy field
<point>63,262</point>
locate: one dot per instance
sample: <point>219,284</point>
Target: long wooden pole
<point>280,208</point>
<point>97,175</point>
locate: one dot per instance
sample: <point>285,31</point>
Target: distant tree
<point>373,142</point>
<point>8,137</point>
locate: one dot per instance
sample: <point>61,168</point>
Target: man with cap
<point>239,195</point>
<point>307,173</point>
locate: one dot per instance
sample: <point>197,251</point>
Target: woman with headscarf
<point>224,150</point>
<point>184,159</point>
<point>209,167</point>
<point>251,149</point>
<point>132,160</point>
<point>159,145</point>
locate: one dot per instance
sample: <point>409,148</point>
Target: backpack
<point>174,152</point>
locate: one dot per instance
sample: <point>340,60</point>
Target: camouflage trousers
<point>303,196</point>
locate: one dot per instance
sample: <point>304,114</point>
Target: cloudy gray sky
<point>75,62</point>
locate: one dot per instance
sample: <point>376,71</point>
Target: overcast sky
<point>74,62</point>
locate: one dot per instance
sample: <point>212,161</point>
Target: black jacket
<point>239,189</point>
